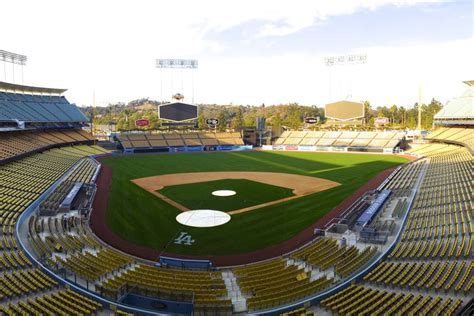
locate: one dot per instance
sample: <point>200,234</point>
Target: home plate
<point>203,218</point>
<point>223,193</point>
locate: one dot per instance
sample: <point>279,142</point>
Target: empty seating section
<point>274,283</point>
<point>38,108</point>
<point>23,282</point>
<point>447,275</point>
<point>403,183</point>
<point>229,139</point>
<point>325,253</point>
<point>434,253</point>
<point>23,181</point>
<point>428,150</point>
<point>94,266</point>
<point>178,140</point>
<point>341,139</point>
<point>62,235</point>
<point>360,300</point>
<point>464,136</point>
<point>207,288</point>
<point>298,312</point>
<point>439,229</point>
<point>60,302</point>
<point>17,143</point>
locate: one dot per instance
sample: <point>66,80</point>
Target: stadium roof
<point>13,87</point>
<point>461,107</point>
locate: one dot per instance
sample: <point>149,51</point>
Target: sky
<point>249,52</point>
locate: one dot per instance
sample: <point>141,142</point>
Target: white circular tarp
<point>223,193</point>
<point>203,218</point>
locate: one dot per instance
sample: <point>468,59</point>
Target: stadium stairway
<point>234,293</point>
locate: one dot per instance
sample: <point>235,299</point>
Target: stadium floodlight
<point>13,58</point>
<point>342,60</point>
<point>177,63</point>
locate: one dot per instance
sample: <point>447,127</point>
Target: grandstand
<point>33,119</point>
<point>135,143</point>
<point>338,141</point>
<point>22,143</point>
<point>454,135</point>
<point>458,111</point>
<point>430,269</point>
<point>36,106</point>
<point>38,126</point>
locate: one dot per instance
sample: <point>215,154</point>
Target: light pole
<point>343,60</point>
<point>14,59</point>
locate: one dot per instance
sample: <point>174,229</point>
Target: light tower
<point>343,60</point>
<point>14,59</point>
<point>174,64</point>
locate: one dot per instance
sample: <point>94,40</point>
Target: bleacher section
<point>361,300</point>
<point>166,141</point>
<point>23,181</point>
<point>204,288</point>
<point>60,302</point>
<point>456,135</point>
<point>274,283</point>
<point>38,108</point>
<point>18,144</point>
<point>430,270</point>
<point>459,110</point>
<point>337,141</point>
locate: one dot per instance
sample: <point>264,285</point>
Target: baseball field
<point>278,194</point>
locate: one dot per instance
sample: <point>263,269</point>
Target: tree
<point>276,121</point>
<point>221,116</point>
<point>237,121</point>
<point>201,120</point>
<point>403,112</point>
<point>295,115</point>
<point>368,111</point>
<point>393,112</point>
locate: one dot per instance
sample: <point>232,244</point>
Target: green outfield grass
<point>199,195</point>
<point>144,219</point>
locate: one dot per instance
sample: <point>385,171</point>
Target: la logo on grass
<point>184,239</point>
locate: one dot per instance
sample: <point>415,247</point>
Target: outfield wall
<point>187,149</point>
<point>312,148</point>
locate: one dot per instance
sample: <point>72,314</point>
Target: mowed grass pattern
<point>142,218</point>
<point>248,193</point>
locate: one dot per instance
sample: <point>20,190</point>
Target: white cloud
<point>110,47</point>
<point>391,76</point>
<point>284,19</point>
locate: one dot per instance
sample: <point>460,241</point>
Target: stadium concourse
<point>405,248</point>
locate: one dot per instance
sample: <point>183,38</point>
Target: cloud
<point>111,46</point>
<point>289,17</point>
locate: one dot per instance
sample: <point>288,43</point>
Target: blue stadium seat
<point>38,108</point>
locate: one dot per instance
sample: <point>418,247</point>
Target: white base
<point>224,193</point>
<point>203,218</point>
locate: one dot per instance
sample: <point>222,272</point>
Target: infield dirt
<point>301,185</point>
